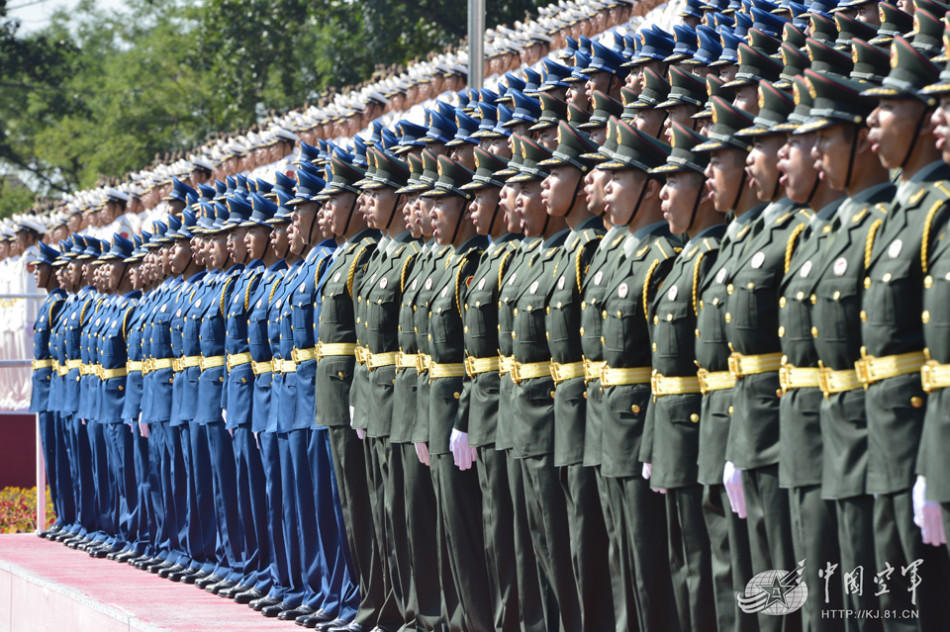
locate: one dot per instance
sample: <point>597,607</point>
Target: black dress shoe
<point>195,576</point>
<point>146,562</point>
<point>247,596</point>
<point>228,593</point>
<point>125,556</point>
<point>183,574</point>
<point>328,625</point>
<point>168,570</point>
<point>224,584</point>
<point>159,565</point>
<point>293,613</point>
<point>207,580</point>
<point>353,626</point>
<point>262,602</point>
<point>276,609</point>
<point>311,620</point>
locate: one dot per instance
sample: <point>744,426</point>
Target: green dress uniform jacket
<point>800,448</point>
<point>421,298</point>
<point>404,397</point>
<point>891,324</point>
<point>337,325</point>
<point>446,342</point>
<point>648,256</point>
<point>532,425</point>
<point>752,330</point>
<point>594,286</point>
<point>712,349</point>
<point>480,331</point>
<point>839,286</point>
<point>674,439</point>
<point>511,283</point>
<point>563,322</point>
<point>377,311</point>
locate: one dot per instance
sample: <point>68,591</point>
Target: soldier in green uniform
<point>800,446</point>
<point>562,196</point>
<point>425,596</point>
<point>892,350</point>
<point>377,304</point>
<point>724,510</point>
<point>633,201</point>
<point>457,492</point>
<point>670,447</point>
<point>838,116</point>
<point>532,427</point>
<point>476,425</point>
<point>932,500</point>
<point>336,359</point>
<point>593,288</point>
<point>535,606</point>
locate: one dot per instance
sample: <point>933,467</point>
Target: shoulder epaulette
<point>942,185</point>
<point>646,289</point>
<point>405,267</point>
<point>659,244</point>
<point>642,251</point>
<point>790,244</point>
<point>881,207</point>
<point>916,197</point>
<point>928,228</point>
<point>224,291</point>
<point>869,241</point>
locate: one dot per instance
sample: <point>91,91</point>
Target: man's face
<point>339,206</point>
<point>218,250</point>
<point>650,121</point>
<point>762,166</point>
<point>724,177</point>
<point>236,248</point>
<point>595,182</point>
<point>678,114</point>
<point>940,120</point>
<point>831,153</point>
<point>868,12</point>
<point>255,242</point>
<point>679,197</point>
<point>482,209</point>
<point>464,154</point>
<point>445,217</point>
<point>893,124</point>
<point>622,195</point>
<point>560,189</point>
<point>498,146</point>
<point>41,274</point>
<point>577,94</point>
<point>279,239</point>
<point>302,219</point>
<point>747,99</point>
<point>597,81</point>
<point>799,174</point>
<point>531,208</point>
<point>509,198</point>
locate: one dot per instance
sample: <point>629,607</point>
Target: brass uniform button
<point>728,317</point>
<point>731,409</point>
<point>864,316</point>
<point>456,395</point>
<point>781,302</point>
<point>694,418</point>
<point>867,282</point>
<point>925,317</point>
<point>916,401</point>
<point>928,281</point>
<point>814,332</point>
<point>887,277</point>
<point>781,331</point>
<point>635,409</point>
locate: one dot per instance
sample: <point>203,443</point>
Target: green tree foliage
<point>98,94</point>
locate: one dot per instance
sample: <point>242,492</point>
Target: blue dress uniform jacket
<point>185,324</point>
<point>237,392</point>
<point>304,306</point>
<point>279,330</point>
<point>259,344</point>
<point>42,359</point>
<point>211,337</point>
<point>132,404</point>
<point>88,382</point>
<point>112,355</point>
<point>158,382</point>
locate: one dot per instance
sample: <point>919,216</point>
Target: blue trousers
<point>121,478</point>
<point>104,520</point>
<point>80,469</point>
<point>252,507</point>
<point>229,530</point>
<point>273,491</point>
<point>161,515</point>
<point>54,440</point>
<point>304,557</point>
<point>142,517</point>
<point>200,514</point>
<point>341,590</point>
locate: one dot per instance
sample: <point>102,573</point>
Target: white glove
<point>464,454</point>
<point>257,440</point>
<point>927,515</point>
<point>360,432</point>
<point>224,415</point>
<point>646,473</point>
<point>732,479</point>
<point>422,452</point>
<point>143,429</point>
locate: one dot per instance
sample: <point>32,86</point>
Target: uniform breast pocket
<point>301,316</point>
<point>837,312</point>
<point>672,330</point>
<point>754,303</point>
<point>337,306</point>
<point>481,318</point>
<point>443,324</point>
<point>561,323</point>
<point>621,325</point>
<point>381,311</point>
<point>893,297</point>
<point>257,334</point>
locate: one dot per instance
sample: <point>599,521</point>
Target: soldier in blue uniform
<point>43,374</point>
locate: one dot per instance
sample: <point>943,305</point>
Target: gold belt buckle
<point>824,380</point>
<point>927,378</point>
<point>735,364</point>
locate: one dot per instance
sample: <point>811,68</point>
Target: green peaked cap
<point>486,166</point>
<point>753,66</point>
<point>452,176</point>
<point>635,150</point>
<point>685,87</point>
<point>572,143</point>
<point>835,100</point>
<point>910,72</point>
<point>774,107</point>
<point>532,154</point>
<point>727,120</point>
<point>344,175</point>
<point>553,110</point>
<point>682,157</point>
<point>604,107</point>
